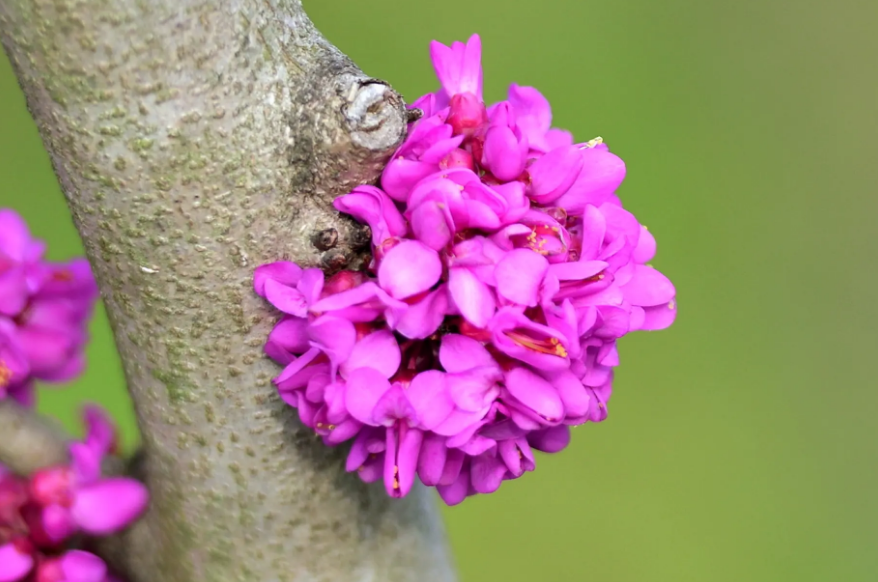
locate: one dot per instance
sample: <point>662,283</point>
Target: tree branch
<point>195,140</point>
<point>28,442</point>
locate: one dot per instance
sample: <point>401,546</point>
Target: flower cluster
<point>44,312</point>
<point>504,270</point>
<point>41,516</point>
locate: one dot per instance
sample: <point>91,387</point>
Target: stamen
<point>551,346</point>
<point>396,477</point>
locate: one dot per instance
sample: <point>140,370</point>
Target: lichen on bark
<point>195,140</point>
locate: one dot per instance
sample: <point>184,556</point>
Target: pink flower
<point>404,409</point>
<point>40,513</point>
<point>459,67</point>
<point>20,263</point>
<point>504,270</point>
<point>73,566</point>
<point>77,498</point>
<point>48,304</point>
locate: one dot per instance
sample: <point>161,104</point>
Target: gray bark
<point>195,140</point>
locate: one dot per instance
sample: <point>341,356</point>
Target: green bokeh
<point>741,444</point>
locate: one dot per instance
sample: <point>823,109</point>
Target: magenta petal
<point>289,336</point>
<point>457,491</point>
<point>519,276</point>
<point>378,350</point>
<point>14,234</point>
<point>550,440</point>
<point>473,299</point>
<point>648,287</point>
<point>365,387</point>
<point>57,522</point>
<point>645,249</point>
<point>13,291</point>
<point>287,299</point>
<point>283,272</point>
<point>431,224</point>
<point>431,460</point>
<point>297,373</point>
<point>487,473</point>
<point>460,421</point>
<point>408,269</point>
<point>533,112</point>
<point>109,505</point>
<point>401,175</point>
<point>554,173</point>
<point>79,566</point>
<point>504,154</point>
<point>394,406</point>
<point>407,459</point>
<point>601,174</point>
<point>659,316</point>
<point>535,393</point>
<point>424,317</point>
<point>573,394</point>
<point>474,389</point>
<point>359,451</point>
<point>334,336</point>
<point>458,353</point>
<point>14,565</point>
<point>428,395</point>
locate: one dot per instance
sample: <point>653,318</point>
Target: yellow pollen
<point>460,186</point>
<point>672,305</point>
<point>5,375</point>
<point>594,142</point>
<point>396,477</point>
<point>555,229</point>
<point>601,276</point>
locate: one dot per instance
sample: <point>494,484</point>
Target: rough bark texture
<point>194,140</point>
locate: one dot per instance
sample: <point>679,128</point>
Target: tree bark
<point>195,140</point>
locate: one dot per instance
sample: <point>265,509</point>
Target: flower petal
<point>365,387</point>
<point>109,505</point>
<point>648,287</point>
<point>378,350</point>
<point>429,396</point>
<point>458,353</point>
<point>283,272</point>
<point>550,440</point>
<point>473,299</point>
<point>14,564</point>
<point>408,269</point>
<point>423,318</point>
<point>535,393</point>
<point>431,460</point>
<point>519,276</point>
<point>79,566</point>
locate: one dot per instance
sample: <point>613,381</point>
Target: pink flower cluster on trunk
<point>504,271</point>
<point>44,312</point>
<point>43,517</point>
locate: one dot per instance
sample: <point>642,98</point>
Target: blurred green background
<point>742,443</point>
